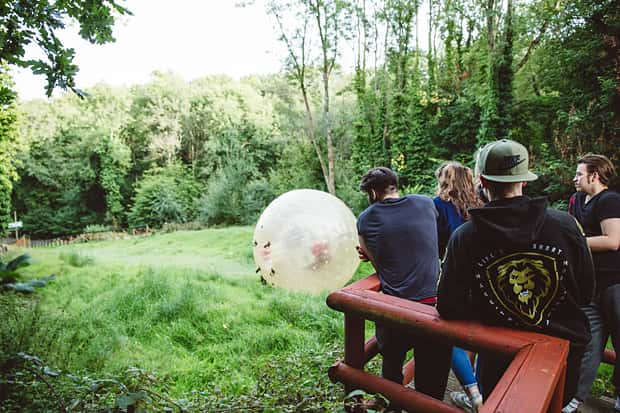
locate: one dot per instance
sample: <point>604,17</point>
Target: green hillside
<point>187,307</point>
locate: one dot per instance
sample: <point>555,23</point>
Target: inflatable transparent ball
<point>305,241</point>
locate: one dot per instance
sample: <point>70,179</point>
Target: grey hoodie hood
<point>515,221</point>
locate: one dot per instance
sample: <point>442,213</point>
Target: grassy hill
<point>188,307</point>
<point>182,315</point>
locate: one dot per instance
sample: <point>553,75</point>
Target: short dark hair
<point>381,179</point>
<point>500,189</point>
<point>599,164</point>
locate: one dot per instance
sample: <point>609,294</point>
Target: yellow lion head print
<point>524,283</point>
<point>521,276</point>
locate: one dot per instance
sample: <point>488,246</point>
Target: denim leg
<point>594,351</point>
<point>573,365</point>
<point>610,303</point>
<point>462,368</point>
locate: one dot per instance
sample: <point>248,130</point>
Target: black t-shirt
<point>401,234</point>
<point>604,205</point>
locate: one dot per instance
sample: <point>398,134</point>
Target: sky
<point>192,38</point>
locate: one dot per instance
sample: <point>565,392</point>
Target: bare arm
<point>610,240</point>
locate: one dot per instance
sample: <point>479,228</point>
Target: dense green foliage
<point>544,73</point>
<point>165,195</point>
<point>536,72</point>
<point>8,147</point>
<point>145,156</point>
<point>9,270</point>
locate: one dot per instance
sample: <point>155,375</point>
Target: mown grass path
<point>225,251</point>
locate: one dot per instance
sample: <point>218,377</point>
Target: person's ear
<point>373,195</point>
<point>523,184</point>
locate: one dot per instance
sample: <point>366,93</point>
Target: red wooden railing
<point>533,383</point>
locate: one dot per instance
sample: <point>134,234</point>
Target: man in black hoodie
<point>518,264</point>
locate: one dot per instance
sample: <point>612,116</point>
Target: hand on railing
<point>361,254</point>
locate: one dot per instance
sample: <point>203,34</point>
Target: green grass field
<point>189,307</point>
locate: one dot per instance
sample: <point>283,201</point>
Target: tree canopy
<point>217,150</point>
<point>23,22</point>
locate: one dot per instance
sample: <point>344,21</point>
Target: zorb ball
<point>305,241</point>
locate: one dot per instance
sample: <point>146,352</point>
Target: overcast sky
<point>193,38</point>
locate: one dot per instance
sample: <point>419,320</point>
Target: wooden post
<point>16,228</point>
<point>354,355</point>
<point>534,378</point>
<point>557,401</point>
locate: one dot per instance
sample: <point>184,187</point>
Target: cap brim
<point>529,176</point>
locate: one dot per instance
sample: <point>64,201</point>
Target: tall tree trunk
<point>312,134</point>
<point>490,15</point>
<point>331,182</point>
<point>299,72</point>
<point>323,20</point>
<point>536,40</point>
<point>431,49</point>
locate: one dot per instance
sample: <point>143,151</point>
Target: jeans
<point>432,359</point>
<point>604,317</point>
<point>461,366</point>
<point>491,367</point>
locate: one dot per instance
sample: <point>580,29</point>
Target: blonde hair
<point>455,184</point>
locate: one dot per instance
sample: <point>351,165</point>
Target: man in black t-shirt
<point>399,237</point>
<point>598,211</point>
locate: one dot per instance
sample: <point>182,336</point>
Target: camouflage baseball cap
<point>505,161</point>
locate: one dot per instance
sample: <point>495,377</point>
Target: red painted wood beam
<point>424,319</point>
<point>609,356</point>
<point>409,399</point>
<point>369,283</point>
<point>534,379</point>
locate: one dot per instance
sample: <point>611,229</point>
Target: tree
<point>23,22</point>
<point>8,147</point>
<point>321,21</point>
<point>165,195</point>
<point>496,117</point>
<point>154,131</point>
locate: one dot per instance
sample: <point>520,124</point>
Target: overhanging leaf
<point>354,393</point>
<point>130,399</point>
<point>53,373</point>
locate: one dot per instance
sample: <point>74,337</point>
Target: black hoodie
<point>519,264</point>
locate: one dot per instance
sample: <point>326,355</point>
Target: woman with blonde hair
<point>456,193</point>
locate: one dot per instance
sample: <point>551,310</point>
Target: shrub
<point>297,168</point>
<point>234,197</point>
<point>256,196</point>
<point>95,228</point>
<point>8,270</point>
<point>165,195</point>
<point>177,226</point>
<point>76,259</point>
